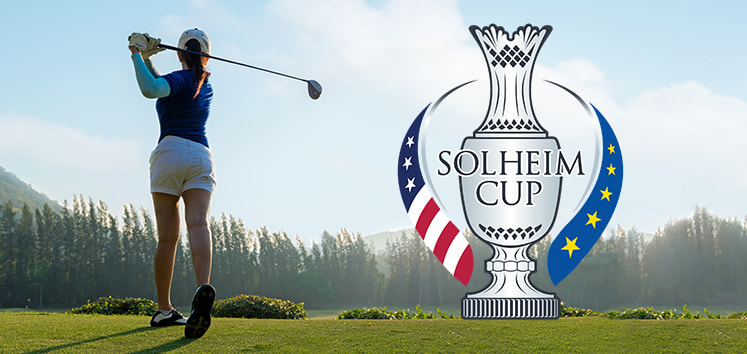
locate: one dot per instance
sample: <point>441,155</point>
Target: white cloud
<point>690,111</point>
<point>686,143</point>
<point>60,146</point>
<point>405,48</point>
<point>681,144</point>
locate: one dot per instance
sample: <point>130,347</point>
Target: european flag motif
<point>577,238</point>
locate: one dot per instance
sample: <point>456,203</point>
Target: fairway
<point>42,333</point>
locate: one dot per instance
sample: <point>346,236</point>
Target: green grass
<point>42,333</point>
<point>323,314</point>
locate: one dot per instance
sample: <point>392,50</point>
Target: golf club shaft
<point>166,46</point>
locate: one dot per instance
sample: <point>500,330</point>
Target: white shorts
<point>179,164</point>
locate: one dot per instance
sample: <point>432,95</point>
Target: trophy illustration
<point>511,199</point>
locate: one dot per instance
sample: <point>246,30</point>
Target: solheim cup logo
<point>510,175</point>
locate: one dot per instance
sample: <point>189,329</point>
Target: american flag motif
<point>582,232</point>
<point>440,235</point>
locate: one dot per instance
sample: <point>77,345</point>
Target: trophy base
<point>510,308</point>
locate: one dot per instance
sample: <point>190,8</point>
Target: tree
<point>8,253</point>
<point>25,241</point>
<point>358,269</point>
<point>279,263</point>
<point>47,262</point>
<point>404,257</point>
<point>113,252</point>
<point>68,256</point>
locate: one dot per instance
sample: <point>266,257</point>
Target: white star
<point>410,184</point>
<point>408,163</point>
<point>410,141</point>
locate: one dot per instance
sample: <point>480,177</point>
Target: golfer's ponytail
<point>196,63</point>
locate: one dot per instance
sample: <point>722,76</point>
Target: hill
<point>377,241</point>
<point>14,189</point>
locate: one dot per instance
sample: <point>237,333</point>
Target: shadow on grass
<point>165,347</point>
<point>159,349</point>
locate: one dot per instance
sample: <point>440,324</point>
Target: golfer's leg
<point>196,209</point>
<point>167,219</point>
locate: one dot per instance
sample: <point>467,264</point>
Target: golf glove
<point>138,40</point>
<point>146,44</point>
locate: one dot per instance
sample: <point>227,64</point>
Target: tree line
<point>59,259</point>
<point>697,261</point>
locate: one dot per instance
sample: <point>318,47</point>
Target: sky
<point>669,76</point>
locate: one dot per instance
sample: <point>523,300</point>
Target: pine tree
<point>45,251</point>
<point>68,256</point>
<point>25,241</point>
<point>8,252</point>
<point>113,264</point>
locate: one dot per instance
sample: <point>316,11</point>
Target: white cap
<point>197,34</point>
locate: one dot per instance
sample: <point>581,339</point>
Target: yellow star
<point>593,219</point>
<point>570,246</point>
<point>611,149</point>
<point>606,194</point>
<point>611,170</point>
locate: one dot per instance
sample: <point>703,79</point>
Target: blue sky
<point>670,78</point>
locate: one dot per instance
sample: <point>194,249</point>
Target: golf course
<point>38,332</point>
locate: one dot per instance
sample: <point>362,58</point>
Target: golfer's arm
<point>150,86</point>
<point>149,65</point>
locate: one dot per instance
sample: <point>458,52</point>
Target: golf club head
<point>315,89</point>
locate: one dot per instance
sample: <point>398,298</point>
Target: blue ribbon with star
<point>577,238</point>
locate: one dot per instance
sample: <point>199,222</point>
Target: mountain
<point>377,241</point>
<point>14,189</point>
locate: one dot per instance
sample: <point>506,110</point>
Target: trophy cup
<point>511,201</point>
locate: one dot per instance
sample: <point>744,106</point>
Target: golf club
<point>315,89</point>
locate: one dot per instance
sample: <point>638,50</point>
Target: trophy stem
<point>510,294</point>
<point>510,268</point>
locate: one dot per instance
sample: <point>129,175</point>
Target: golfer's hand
<point>151,47</point>
<point>138,40</point>
<point>144,44</point>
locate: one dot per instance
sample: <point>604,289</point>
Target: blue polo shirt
<point>181,115</point>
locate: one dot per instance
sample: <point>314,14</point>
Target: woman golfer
<point>181,167</point>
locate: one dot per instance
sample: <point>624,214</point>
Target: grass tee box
<point>41,333</point>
